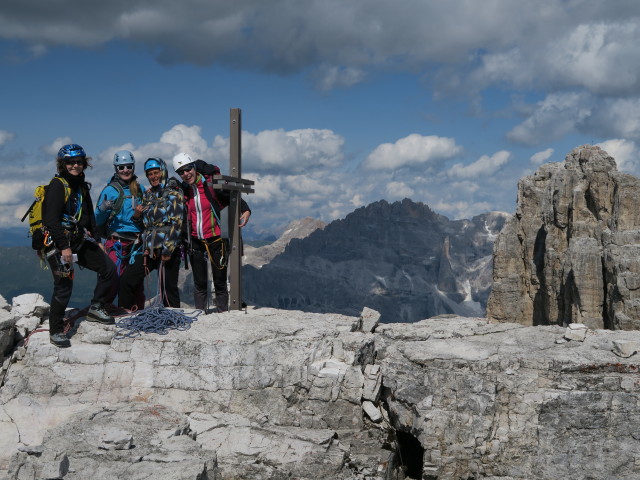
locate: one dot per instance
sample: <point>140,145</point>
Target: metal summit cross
<point>236,186</point>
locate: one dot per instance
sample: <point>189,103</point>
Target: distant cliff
<point>571,252</point>
<point>401,259</point>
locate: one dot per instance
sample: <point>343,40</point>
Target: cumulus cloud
<point>483,167</point>
<point>52,148</point>
<point>624,152</point>
<point>562,44</point>
<point>295,174</point>
<point>553,117</point>
<point>5,137</point>
<point>287,152</point>
<point>413,150</point>
<point>540,157</point>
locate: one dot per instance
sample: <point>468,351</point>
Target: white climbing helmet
<point>180,160</point>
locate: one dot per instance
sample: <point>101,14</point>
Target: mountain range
<point>401,259</point>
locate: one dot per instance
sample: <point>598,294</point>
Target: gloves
<point>105,205</point>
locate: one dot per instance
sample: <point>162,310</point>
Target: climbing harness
<point>223,258</point>
<point>130,257</point>
<point>155,318</point>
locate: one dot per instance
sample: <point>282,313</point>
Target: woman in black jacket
<point>69,226</point>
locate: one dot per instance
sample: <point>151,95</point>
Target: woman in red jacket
<point>204,205</point>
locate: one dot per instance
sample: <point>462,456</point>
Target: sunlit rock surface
<point>571,252</point>
<point>272,394</point>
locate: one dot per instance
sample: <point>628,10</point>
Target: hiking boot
<point>97,313</point>
<point>60,340</point>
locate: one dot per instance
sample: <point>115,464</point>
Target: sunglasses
<point>124,167</point>
<point>186,168</point>
<point>77,161</point>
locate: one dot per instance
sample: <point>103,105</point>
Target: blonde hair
<point>134,188</point>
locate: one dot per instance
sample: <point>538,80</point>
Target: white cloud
<point>553,117</point>
<point>540,157</point>
<point>413,150</point>
<point>287,152</point>
<point>485,166</point>
<point>187,139</point>
<point>296,175</point>
<point>5,137</point>
<point>398,191</point>
<point>52,148</point>
<point>624,152</point>
<point>328,77</point>
<point>556,44</point>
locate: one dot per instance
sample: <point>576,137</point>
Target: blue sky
<point>344,102</point>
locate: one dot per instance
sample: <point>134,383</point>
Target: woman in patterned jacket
<point>162,224</point>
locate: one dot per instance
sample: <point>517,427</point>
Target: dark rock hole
<point>411,455</point>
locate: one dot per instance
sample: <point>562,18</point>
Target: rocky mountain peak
<point>570,252</point>
<point>589,159</point>
<point>302,228</point>
<point>400,258</point>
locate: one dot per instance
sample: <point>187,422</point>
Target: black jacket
<point>54,207</point>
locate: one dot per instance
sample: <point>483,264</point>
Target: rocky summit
<point>401,259</point>
<point>571,252</point>
<point>273,394</point>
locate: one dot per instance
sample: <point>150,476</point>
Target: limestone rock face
<point>570,254</point>
<point>505,401</point>
<point>259,392</point>
<point>272,394</point>
<point>401,259</point>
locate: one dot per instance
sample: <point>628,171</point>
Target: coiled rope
<point>156,318</point>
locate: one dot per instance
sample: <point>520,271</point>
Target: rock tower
<point>571,252</point>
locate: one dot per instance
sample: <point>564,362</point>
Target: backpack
<point>117,206</point>
<point>103,230</point>
<point>35,213</point>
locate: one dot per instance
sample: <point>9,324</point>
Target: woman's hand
<point>138,211</point>
<point>244,218</point>
<point>67,255</point>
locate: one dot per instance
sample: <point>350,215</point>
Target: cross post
<point>236,186</point>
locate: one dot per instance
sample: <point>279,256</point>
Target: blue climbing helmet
<point>155,162</point>
<point>123,157</point>
<point>71,151</point>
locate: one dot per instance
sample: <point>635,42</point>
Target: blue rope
<point>156,318</point>
<point>117,247</point>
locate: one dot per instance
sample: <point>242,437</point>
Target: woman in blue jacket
<point>119,205</point>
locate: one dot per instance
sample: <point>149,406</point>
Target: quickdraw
<point>223,259</point>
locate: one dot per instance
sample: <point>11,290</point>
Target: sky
<point>344,103</point>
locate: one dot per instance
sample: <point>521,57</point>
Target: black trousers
<point>90,256</point>
<point>219,250</point>
<point>133,277</point>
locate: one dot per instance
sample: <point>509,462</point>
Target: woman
<point>162,221</point>
<point>119,206</point>
<point>69,227</point>
<point>204,205</point>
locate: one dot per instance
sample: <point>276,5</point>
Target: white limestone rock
<point>369,320</point>
<point>372,411</point>
<point>26,325</point>
<point>4,305</point>
<point>576,331</point>
<point>7,331</point>
<point>372,383</point>
<point>625,348</point>
<point>29,304</point>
